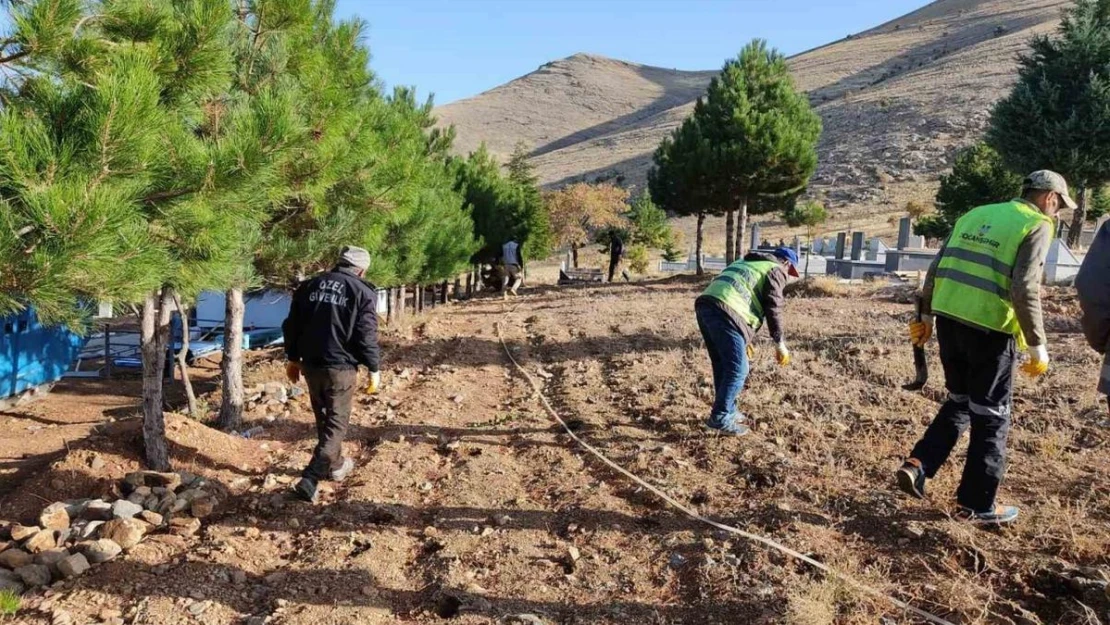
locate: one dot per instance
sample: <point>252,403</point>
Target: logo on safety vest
<point>981,238</point>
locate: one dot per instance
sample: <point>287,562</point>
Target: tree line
<point>153,150</point>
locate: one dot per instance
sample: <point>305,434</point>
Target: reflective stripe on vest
<point>739,286</point>
<point>974,276</point>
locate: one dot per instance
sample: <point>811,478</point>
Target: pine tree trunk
<point>742,228</point>
<point>183,355</point>
<point>698,244</point>
<point>1075,234</point>
<point>231,407</point>
<point>730,237</point>
<point>153,338</point>
<point>574,255</point>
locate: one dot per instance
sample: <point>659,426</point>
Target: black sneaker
<point>343,471</point>
<point>305,489</point>
<point>911,478</point>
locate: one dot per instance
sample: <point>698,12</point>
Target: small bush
<point>638,259</point>
<point>822,286</point>
<point>9,603</point>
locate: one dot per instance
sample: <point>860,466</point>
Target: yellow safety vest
<point>975,273</point>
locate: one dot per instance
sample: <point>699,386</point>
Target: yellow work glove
<point>751,352</point>
<point>293,371</point>
<point>782,354</point>
<point>921,331</point>
<point>1037,365</point>
<point>375,383</point>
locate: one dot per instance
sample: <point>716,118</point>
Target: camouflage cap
<point>1045,180</point>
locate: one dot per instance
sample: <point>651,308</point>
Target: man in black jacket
<point>332,328</point>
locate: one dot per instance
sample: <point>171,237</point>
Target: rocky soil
<point>469,505</point>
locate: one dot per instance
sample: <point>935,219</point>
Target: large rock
<point>124,532</point>
<point>73,566</point>
<point>151,479</point>
<point>97,510</point>
<point>23,532</point>
<point>153,518</point>
<point>124,509</point>
<point>182,526</point>
<point>41,541</point>
<point>203,508</point>
<point>91,529</point>
<point>15,558</point>
<point>55,517</point>
<point>34,575</point>
<point>101,550</point>
<point>11,581</point>
<point>165,504</point>
<point>76,507</point>
<point>51,558</point>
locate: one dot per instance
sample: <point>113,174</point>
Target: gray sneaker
<point>343,471</point>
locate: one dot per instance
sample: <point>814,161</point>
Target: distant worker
<point>512,261</point>
<point>729,313</point>
<point>984,288</point>
<point>332,328</point>
<point>1093,285</point>
<point>616,254</point>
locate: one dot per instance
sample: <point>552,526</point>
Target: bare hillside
<point>897,101</point>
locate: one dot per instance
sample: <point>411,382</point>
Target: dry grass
<point>822,286</point>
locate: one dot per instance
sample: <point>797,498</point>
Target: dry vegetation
<point>469,505</point>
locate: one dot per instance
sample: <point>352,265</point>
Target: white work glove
<point>375,383</point>
<point>782,354</point>
<point>1038,362</point>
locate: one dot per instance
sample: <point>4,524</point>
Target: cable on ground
<point>767,542</point>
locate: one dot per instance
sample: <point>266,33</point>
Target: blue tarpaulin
<point>32,354</point>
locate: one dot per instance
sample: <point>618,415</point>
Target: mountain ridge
<point>897,101</point>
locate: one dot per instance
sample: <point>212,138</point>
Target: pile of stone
<point>73,536</point>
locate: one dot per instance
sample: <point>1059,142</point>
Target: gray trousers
<point>331,392</point>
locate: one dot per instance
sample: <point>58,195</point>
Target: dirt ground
<point>470,505</point>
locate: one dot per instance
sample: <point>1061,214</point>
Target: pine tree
<point>1056,117</point>
<point>1100,204</point>
<point>978,177</point>
<point>143,93</point>
<point>677,179</point>
<point>762,135</point>
<point>503,207</point>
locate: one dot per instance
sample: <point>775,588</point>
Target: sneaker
<point>343,471</point>
<point>911,478</point>
<point>731,424</point>
<point>305,489</point>
<point>1001,515</point>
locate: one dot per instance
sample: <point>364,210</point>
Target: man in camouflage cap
<point>984,288</point>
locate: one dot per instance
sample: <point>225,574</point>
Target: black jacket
<point>333,322</point>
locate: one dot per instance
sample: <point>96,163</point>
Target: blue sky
<point>459,48</point>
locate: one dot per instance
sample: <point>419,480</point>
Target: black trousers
<point>331,392</point>
<point>979,374</point>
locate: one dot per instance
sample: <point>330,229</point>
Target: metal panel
<point>32,354</point>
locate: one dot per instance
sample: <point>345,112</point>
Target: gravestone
<point>857,245</point>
